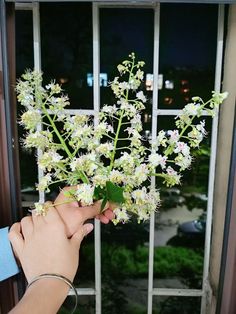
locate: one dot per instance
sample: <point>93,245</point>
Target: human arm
<point>42,246</point>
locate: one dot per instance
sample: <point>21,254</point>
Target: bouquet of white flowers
<point>109,161</point>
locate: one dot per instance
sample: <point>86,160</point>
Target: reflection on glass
<point>176,305</point>
<point>188,36</point>
<point>67,49</point>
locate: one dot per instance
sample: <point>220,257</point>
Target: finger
<point>27,226</point>
<point>52,214</point>
<point>63,197</point>
<point>109,214</point>
<point>78,237</point>
<point>89,212</point>
<point>16,238</point>
<point>38,218</point>
<point>103,218</point>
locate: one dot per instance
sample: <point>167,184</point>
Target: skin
<point>73,214</point>
<point>50,244</point>
<point>42,246</point>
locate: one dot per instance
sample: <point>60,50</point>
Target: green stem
<point>57,132</point>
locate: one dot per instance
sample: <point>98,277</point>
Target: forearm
<point>44,296</point>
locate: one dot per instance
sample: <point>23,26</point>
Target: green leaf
<point>104,201</point>
<point>114,193</point>
<point>99,193</point>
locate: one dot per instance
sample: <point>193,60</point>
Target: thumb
<point>78,237</point>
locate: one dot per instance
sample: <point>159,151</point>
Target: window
<point>81,49</point>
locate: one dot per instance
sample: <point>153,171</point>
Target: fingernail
<point>89,228</point>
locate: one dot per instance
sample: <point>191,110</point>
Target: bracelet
<point>62,278</point>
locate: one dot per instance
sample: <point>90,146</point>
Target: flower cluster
<point>110,160</point>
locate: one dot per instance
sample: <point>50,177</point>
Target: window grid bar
<point>85,112</point>
<point>217,87</point>
<point>173,112</point>
<point>154,134</point>
<point>131,4</point>
<point>24,6</point>
<point>83,291</point>
<point>37,67</point>
<point>96,101</point>
<point>177,292</point>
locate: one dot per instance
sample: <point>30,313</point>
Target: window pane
<point>181,221</point>
<point>125,268</point>
<point>25,60</point>
<point>66,37</point>
<point>174,305</point>
<point>86,305</point>
<point>188,34</point>
<point>123,31</point>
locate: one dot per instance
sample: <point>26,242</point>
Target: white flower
<point>201,127</point>
<point>30,119</point>
<point>192,109</point>
<point>183,148</point>
<point>49,159</point>
<point>156,160</point>
<point>141,174</point>
<point>116,177</point>
<point>39,209</point>
<point>84,194</point>
<point>121,215</point>
<point>172,177</point>
<point>109,109</point>
<point>44,182</point>
<point>174,136</point>
<point>139,74</point>
<point>161,139</point>
<point>126,162</point>
<point>183,161</point>
<point>105,149</point>
<point>141,96</point>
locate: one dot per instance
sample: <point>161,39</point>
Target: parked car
<point>193,229</point>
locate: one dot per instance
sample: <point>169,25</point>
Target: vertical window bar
<point>218,73</point>
<point>96,101</point>
<point>37,67</point>
<point>154,134</point>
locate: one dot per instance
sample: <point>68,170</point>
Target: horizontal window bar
<point>83,291</point>
<point>177,292</point>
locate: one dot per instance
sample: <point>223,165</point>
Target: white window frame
<point>205,291</point>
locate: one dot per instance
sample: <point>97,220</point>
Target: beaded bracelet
<point>62,278</point>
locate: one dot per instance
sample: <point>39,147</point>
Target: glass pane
<point>180,223</point>
<point>188,34</point>
<point>118,39</point>
<point>124,247</point>
<point>124,268</point>
<point>86,305</point>
<point>86,272</point>
<point>66,37</point>
<point>24,41</point>
<point>174,305</point>
<point>25,60</point>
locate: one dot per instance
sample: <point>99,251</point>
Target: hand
<point>74,215</point>
<point>42,246</point>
